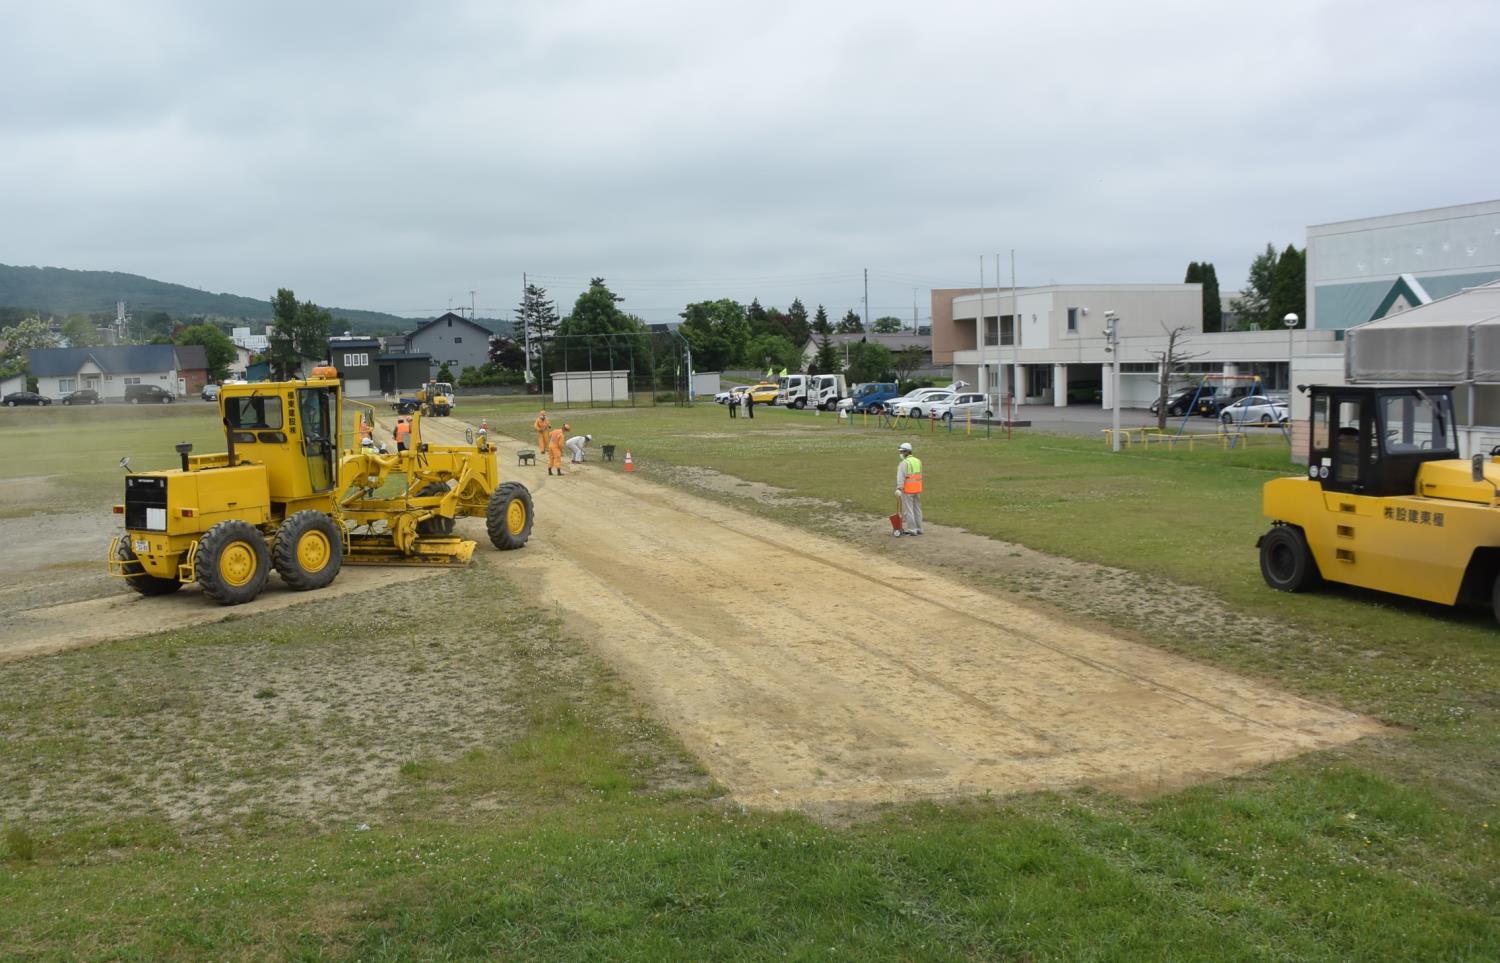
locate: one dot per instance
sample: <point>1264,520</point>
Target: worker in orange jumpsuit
<point>555,443</point>
<point>542,426</point>
<point>402,432</point>
<point>363,427</point>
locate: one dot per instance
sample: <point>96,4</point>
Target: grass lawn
<point>524,807</point>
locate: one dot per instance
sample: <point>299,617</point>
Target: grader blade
<point>426,550</point>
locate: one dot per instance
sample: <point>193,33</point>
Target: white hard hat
<point>904,446</point>
<point>588,437</point>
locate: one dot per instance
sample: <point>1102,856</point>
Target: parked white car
<point>918,405</point>
<point>966,405</point>
<point>722,398</point>
<point>1254,410</point>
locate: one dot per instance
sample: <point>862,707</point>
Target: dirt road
<point>803,675</point>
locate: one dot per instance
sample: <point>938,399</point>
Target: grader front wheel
<point>232,563</point>
<point>508,518</point>
<point>308,551</point>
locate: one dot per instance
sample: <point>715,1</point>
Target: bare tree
<point>1171,369</point>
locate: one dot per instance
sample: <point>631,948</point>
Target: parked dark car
<point>209,393</point>
<point>1180,402</point>
<point>1222,398</point>
<point>148,395</point>
<point>25,398</point>
<point>83,396</point>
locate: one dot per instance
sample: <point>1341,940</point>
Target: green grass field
<point>538,812</point>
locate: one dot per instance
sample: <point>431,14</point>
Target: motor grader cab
<point>286,495</point>
<point>1387,503</point>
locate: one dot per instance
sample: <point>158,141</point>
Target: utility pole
<point>867,301</point>
<point>525,325</point>
<point>1112,335</point>
<point>915,326</point>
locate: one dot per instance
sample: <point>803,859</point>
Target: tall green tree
<point>850,323</point>
<point>797,326</point>
<point>1288,294</point>
<point>598,335</point>
<point>1254,303</point>
<point>1213,311</point>
<point>1213,305</point>
<point>827,359</point>
<point>719,333</point>
<point>888,325</point>
<point>299,333</point>
<point>536,316</point>
<point>216,345</point>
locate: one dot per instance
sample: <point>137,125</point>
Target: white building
<point>254,343</point>
<point>1048,345</point>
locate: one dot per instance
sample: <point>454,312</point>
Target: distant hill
<point>61,291</point>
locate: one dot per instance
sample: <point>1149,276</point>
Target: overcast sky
<point>396,155</point>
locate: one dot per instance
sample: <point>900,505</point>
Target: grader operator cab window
<point>317,409</point>
<point>1373,440</point>
<point>255,418</point>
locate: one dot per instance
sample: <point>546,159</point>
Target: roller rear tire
<point>508,517</point>
<point>308,551</point>
<point>1286,562</point>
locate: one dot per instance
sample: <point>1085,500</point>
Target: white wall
<point>590,387</point>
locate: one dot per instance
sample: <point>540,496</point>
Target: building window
<point>450,322</point>
<point>991,331</point>
<point>109,377</point>
<point>1007,330</point>
<point>458,340</point>
<point>67,384</point>
<point>356,360</point>
<point>1073,320</point>
<point>132,381</point>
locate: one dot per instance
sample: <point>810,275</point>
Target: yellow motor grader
<point>285,495</point>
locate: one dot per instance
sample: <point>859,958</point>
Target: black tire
<point>914,413</point>
<point>436,525</point>
<point>233,563</point>
<point>141,582</point>
<point>308,551</point>
<point>1226,418</point>
<point>1495,598</point>
<point>1286,563</point>
<point>166,401</point>
<point>10,404</point>
<point>988,415</point>
<point>508,517</point>
<point>948,417</point>
<point>1265,419</point>
<point>135,401</point>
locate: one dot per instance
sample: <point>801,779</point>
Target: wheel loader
<point>285,495</point>
<point>1387,503</point>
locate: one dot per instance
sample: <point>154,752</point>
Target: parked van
<point>148,395</point>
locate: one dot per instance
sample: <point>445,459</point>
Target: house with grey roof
<point>180,369</point>
<point>453,340</point>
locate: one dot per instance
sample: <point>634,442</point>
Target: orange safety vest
<point>555,440</point>
<point>913,483</point>
<point>403,428</point>
<point>541,425</point>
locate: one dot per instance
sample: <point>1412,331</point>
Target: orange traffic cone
<point>629,462</point>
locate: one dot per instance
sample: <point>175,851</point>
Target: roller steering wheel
<point>1495,451</point>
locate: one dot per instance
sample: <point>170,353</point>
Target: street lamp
<point>1291,333</point>
<point>1112,337</point>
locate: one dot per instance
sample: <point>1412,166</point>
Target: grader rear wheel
<point>508,518</point>
<point>308,551</point>
<point>141,582</point>
<point>232,563</point>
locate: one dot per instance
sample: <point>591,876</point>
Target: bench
<point>525,457</point>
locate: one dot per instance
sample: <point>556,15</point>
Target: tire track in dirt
<point>801,680</point>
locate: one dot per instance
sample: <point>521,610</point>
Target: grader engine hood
<point>177,502</point>
<point>1454,479</point>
